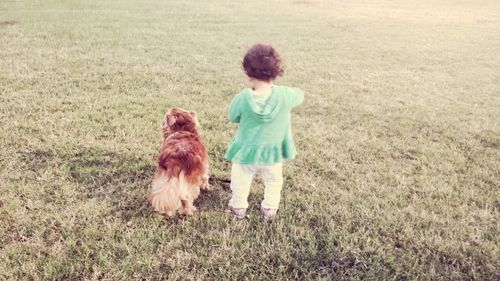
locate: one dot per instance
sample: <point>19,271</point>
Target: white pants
<point>241,179</point>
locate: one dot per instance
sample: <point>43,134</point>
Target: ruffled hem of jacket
<point>266,154</point>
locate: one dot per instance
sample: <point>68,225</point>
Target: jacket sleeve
<point>295,96</point>
<point>235,110</point>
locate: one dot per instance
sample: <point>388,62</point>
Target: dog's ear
<point>164,123</point>
<point>171,120</point>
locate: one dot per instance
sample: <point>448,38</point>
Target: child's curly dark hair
<point>262,62</point>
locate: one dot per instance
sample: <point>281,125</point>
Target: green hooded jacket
<point>264,135</point>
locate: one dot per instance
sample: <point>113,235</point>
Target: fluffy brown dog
<point>182,166</point>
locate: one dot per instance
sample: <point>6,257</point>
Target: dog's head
<point>177,120</point>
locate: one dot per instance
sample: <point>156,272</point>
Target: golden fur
<point>182,165</point>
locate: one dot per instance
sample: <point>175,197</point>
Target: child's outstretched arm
<point>234,110</point>
<point>295,97</point>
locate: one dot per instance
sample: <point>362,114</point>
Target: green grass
<point>397,176</point>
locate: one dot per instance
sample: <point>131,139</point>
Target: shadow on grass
<point>122,179</point>
<point>213,198</point>
<point>7,23</point>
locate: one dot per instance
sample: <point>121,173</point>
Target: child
<point>264,137</point>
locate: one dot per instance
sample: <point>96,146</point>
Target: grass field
<point>397,176</point>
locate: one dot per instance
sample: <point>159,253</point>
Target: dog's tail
<point>166,193</point>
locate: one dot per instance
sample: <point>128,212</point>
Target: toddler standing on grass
<point>264,136</point>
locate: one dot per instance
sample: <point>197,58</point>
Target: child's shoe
<point>269,212</point>
<point>240,213</point>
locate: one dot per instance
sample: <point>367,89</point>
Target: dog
<point>182,165</point>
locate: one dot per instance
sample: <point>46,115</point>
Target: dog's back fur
<point>182,165</point>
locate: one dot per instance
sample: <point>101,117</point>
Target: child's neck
<point>262,86</point>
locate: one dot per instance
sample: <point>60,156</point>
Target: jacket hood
<point>271,109</point>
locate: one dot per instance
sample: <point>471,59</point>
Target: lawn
<point>397,176</point>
